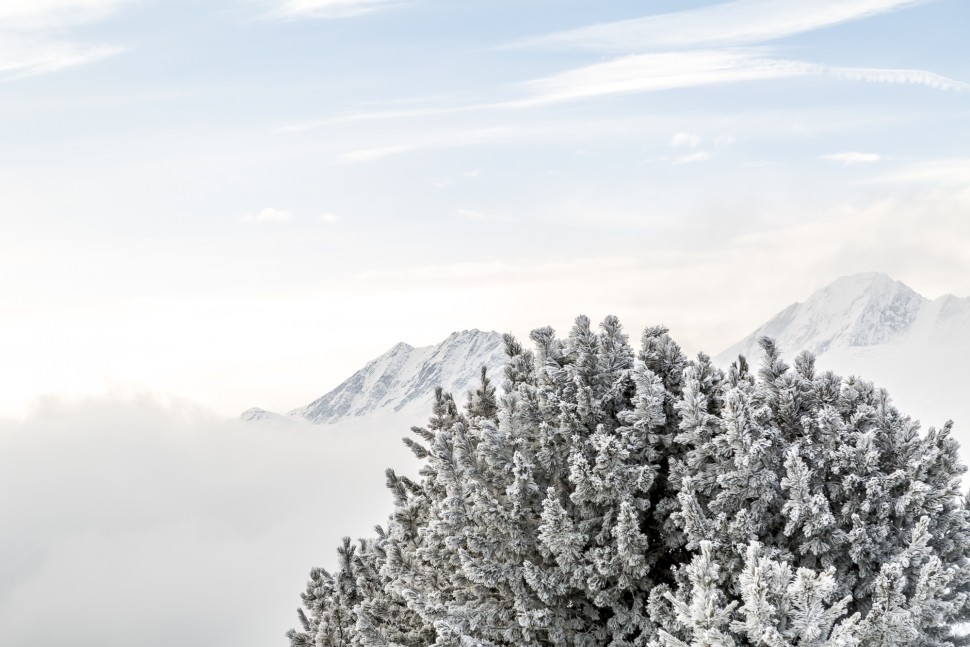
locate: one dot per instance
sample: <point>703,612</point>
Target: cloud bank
<point>134,520</point>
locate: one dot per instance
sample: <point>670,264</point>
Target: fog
<point>135,521</point>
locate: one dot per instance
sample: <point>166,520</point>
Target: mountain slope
<point>404,378</point>
<point>261,415</point>
<point>881,330</point>
<point>853,311</point>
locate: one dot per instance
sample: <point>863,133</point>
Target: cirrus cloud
<point>728,23</point>
<point>31,39</point>
<point>269,214</point>
<point>293,9</point>
<point>852,158</point>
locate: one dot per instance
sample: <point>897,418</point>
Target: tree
<point>818,501</point>
<point>608,497</point>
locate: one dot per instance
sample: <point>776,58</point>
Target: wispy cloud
<point>666,71</point>
<point>329,218</point>
<point>713,45</point>
<point>384,115</point>
<point>452,180</point>
<point>729,23</point>
<point>704,47</point>
<point>699,156</point>
<point>373,154</point>
<point>899,76</point>
<point>21,58</point>
<point>497,270</point>
<point>673,70</point>
<point>47,14</point>
<point>642,73</point>
<point>852,158</point>
<point>269,214</point>
<point>330,8</point>
<point>30,35</point>
<point>944,172</point>
<point>690,140</point>
<point>480,216</point>
<point>448,140</point>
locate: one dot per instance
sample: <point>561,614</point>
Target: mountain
<point>262,415</point>
<point>403,380</point>
<point>883,331</point>
<point>859,311</point>
<point>866,324</point>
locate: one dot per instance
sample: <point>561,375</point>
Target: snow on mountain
<point>881,330</point>
<point>853,311</point>
<point>262,415</point>
<point>867,325</point>
<point>404,378</point>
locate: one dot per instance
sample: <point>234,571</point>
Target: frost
<point>620,497</point>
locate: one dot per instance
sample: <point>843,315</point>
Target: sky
<point>240,202</point>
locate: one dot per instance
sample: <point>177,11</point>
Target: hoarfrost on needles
<point>614,497</point>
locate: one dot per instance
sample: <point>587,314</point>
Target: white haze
<point>126,518</point>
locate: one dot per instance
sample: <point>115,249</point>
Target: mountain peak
<point>398,348</point>
<point>405,377</point>
<point>863,283</point>
<point>474,333</point>
<point>261,415</point>
<point>866,278</point>
<point>864,309</point>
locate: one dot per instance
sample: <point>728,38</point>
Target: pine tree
<point>607,497</point>
<point>811,485</point>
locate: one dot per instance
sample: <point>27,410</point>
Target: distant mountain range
<point>866,324</point>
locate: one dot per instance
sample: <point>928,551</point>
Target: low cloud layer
<point>133,521</point>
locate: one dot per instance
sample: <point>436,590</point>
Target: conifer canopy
<point>611,496</point>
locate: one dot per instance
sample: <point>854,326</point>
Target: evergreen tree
<point>809,480</point>
<point>607,497</point>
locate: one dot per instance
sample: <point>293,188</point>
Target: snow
<point>867,325</point>
<point>883,331</point>
<point>858,310</point>
<point>404,378</point>
<point>261,415</point>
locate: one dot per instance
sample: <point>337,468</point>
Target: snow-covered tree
<point>810,480</point>
<point>613,497</point>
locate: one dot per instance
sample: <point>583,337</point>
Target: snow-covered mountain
<point>866,324</point>
<point>860,311</point>
<point>262,415</point>
<point>877,328</point>
<point>404,378</point>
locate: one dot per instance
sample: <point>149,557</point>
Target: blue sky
<point>241,201</point>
